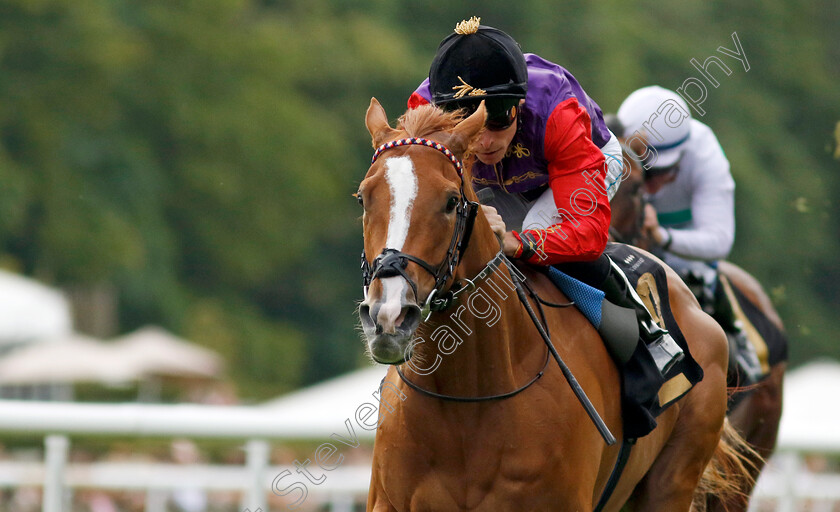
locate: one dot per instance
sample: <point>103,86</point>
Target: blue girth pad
<point>587,299</point>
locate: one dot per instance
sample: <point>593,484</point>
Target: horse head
<point>628,205</point>
<point>418,217</point>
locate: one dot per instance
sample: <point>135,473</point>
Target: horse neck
<point>477,347</point>
<point>628,218</point>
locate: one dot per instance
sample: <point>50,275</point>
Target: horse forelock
<point>427,120</point>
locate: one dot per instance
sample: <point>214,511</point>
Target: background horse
<point>757,411</point>
<point>451,435</point>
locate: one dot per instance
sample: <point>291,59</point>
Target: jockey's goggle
<point>501,121</point>
<point>653,172</point>
<point>501,112</point>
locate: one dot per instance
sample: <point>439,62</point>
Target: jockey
<point>545,165</point>
<point>690,211</point>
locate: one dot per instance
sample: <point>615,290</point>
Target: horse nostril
<point>411,318</point>
<point>364,315</point>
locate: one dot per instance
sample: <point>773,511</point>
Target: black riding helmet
<point>477,63</point>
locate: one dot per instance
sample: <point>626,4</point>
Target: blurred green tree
<point>199,156</point>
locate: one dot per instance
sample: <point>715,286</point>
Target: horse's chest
<point>488,483</point>
<point>493,467</point>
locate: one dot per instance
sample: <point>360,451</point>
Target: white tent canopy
<point>31,311</point>
<point>73,358</point>
<point>149,352</point>
<point>326,405</point>
<point>811,412</point>
<point>158,352</point>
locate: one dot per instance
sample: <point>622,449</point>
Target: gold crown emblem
<point>469,26</point>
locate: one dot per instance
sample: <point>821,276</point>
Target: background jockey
<point>690,194</point>
<point>546,155</point>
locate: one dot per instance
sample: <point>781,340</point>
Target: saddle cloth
<point>646,393</point>
<point>770,342</point>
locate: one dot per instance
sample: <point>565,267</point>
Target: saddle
<point>750,332</point>
<point>646,392</point>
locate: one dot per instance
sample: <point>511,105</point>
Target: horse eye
<point>451,204</point>
<point>359,198</point>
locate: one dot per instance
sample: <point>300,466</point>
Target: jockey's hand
<point>651,226</point>
<point>509,242</point>
<point>495,220</point>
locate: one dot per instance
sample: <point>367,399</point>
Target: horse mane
<point>426,120</point>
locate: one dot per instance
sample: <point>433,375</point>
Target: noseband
<point>391,262</point>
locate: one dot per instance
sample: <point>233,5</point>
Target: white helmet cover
<point>661,118</point>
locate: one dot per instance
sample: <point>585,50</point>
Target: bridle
<point>392,262</point>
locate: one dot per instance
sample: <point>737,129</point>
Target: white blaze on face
<point>399,173</point>
<point>391,313</point>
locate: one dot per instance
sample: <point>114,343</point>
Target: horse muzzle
<point>389,323</point>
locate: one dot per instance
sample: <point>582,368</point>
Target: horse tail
<point>730,470</point>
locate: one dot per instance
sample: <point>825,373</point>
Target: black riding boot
<point>661,345</point>
<point>743,359</point>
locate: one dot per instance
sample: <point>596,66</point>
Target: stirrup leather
<point>661,345</point>
<point>743,359</point>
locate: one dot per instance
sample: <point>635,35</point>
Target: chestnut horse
<point>757,414</point>
<point>457,438</point>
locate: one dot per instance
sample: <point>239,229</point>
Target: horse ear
<point>377,123</point>
<point>465,132</point>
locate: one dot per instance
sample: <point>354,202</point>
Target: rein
<point>488,269</point>
<point>392,262</point>
<point>471,399</point>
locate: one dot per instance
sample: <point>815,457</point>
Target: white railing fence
<point>788,483</point>
<point>258,426</point>
<point>158,481</point>
<point>785,486</point>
